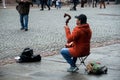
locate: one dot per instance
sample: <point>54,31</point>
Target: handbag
<point>27,56</point>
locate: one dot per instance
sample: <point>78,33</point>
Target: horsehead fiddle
<point>67,20</point>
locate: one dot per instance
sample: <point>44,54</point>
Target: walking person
<point>94,3</point>
<point>49,2</point>
<point>83,3</point>
<point>54,3</point>
<point>23,9</point>
<point>89,2</point>
<point>3,2</point>
<point>78,42</point>
<point>102,3</point>
<point>58,4</point>
<point>75,2</point>
<point>43,3</point>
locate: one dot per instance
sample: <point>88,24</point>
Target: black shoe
<point>49,9</point>
<point>26,29</point>
<point>21,28</point>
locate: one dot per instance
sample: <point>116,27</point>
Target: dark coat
<point>24,7</point>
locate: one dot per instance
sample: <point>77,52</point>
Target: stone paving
<point>46,29</point>
<point>55,67</point>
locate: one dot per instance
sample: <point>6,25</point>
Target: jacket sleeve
<point>71,36</point>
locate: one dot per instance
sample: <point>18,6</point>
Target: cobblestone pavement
<point>55,67</point>
<point>46,29</point>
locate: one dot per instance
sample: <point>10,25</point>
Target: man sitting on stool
<point>78,42</point>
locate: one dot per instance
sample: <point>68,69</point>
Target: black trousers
<point>75,4</point>
<point>82,3</point>
<point>44,2</point>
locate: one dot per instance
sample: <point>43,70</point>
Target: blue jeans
<point>66,54</point>
<point>24,21</point>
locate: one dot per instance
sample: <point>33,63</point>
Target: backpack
<point>96,68</point>
<point>27,56</point>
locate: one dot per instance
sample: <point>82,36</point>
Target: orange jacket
<point>80,36</point>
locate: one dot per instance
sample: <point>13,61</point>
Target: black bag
<point>27,56</point>
<point>36,58</point>
<point>27,52</point>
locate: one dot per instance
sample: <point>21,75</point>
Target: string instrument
<point>67,20</point>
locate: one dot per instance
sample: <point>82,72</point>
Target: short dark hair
<point>82,18</point>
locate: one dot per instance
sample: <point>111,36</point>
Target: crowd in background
<point>58,3</point>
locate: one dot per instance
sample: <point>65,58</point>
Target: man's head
<point>81,19</point>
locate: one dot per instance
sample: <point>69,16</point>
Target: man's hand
<point>66,26</point>
<point>71,44</point>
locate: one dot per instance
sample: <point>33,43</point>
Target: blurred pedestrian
<point>23,9</point>
<point>102,3</point>
<point>49,2</point>
<point>58,4</point>
<point>75,2</point>
<point>83,3</point>
<point>78,42</point>
<point>94,3</point>
<point>38,2</point>
<point>54,3</point>
<point>3,2</point>
<point>89,2</point>
<point>43,3</point>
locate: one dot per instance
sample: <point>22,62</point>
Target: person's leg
<point>82,4</point>
<point>47,5</point>
<point>49,2</point>
<point>3,2</point>
<point>26,22</point>
<point>95,3</point>
<point>65,53</point>
<point>104,4</point>
<point>74,60</point>
<point>21,21</point>
<point>55,3</point>
<point>60,4</point>
<point>75,4</point>
<point>107,1</point>
<point>42,5</point>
